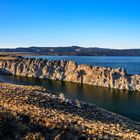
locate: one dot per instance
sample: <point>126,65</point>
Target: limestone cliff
<point>70,71</point>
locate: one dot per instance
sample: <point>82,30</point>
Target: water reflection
<point>119,101</point>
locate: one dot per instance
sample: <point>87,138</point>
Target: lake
<point>126,103</point>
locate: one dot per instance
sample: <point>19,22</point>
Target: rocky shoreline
<point>41,115</point>
<point>70,71</point>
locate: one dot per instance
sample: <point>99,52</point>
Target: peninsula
<point>70,71</point>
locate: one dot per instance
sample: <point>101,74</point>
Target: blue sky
<point>87,23</point>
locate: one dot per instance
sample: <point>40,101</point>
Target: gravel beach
<point>31,112</point>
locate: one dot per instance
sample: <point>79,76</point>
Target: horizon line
<point>68,46</point>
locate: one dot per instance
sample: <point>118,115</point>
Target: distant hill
<point>75,50</point>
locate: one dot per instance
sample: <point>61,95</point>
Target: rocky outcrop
<point>70,71</point>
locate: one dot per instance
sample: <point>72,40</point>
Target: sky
<point>87,23</point>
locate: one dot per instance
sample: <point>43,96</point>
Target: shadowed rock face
<point>70,71</point>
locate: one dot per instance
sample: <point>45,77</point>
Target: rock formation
<point>72,72</point>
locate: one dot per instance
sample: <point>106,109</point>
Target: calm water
<point>131,64</point>
<point>122,102</point>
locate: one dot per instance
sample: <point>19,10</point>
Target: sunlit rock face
<point>70,71</point>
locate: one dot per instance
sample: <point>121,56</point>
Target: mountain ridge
<point>74,50</point>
